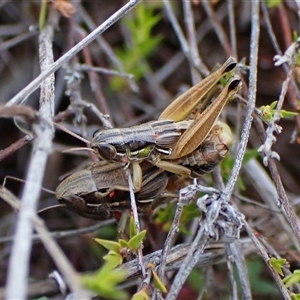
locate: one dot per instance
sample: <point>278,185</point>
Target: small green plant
<point>140,25</point>
<point>277,264</point>
<point>189,212</point>
<point>291,279</point>
<point>268,111</point>
<point>164,217</point>
<point>104,282</point>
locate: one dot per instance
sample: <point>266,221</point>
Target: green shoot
<point>143,43</point>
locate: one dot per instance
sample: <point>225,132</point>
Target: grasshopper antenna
<point>76,136</point>
<point>23,181</point>
<point>71,133</point>
<point>42,188</point>
<point>50,207</point>
<point>79,149</point>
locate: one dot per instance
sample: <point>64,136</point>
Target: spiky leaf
<point>136,241</point>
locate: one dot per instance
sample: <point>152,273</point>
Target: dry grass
<point>210,32</point>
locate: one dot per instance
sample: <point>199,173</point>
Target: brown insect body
<point>100,189</point>
<point>210,153</point>
<point>187,148</point>
<point>113,144</point>
<point>204,159</point>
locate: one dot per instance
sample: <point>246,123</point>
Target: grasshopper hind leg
<point>80,207</point>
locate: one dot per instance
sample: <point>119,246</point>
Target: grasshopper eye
<point>106,151</point>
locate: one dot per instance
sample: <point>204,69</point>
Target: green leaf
<point>136,241</point>
<point>291,279</point>
<point>273,104</point>
<point>189,212</point>
<point>113,259</point>
<point>228,162</point>
<point>195,280</point>
<point>132,229</point>
<point>287,114</point>
<point>158,283</point>
<point>164,217</point>
<point>140,295</point>
<point>123,243</point>
<point>268,111</point>
<point>104,281</point>
<point>109,245</point>
<point>43,14</point>
<point>277,264</point>
<point>249,154</point>
<point>295,296</point>
<point>259,283</point>
<point>225,78</point>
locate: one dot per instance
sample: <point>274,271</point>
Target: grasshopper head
<point>106,151</point>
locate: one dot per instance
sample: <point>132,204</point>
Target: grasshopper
<point>169,143</point>
<point>102,188</point>
<point>195,135</point>
<point>164,137</point>
<point>137,142</point>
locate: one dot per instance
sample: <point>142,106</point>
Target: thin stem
<point>182,40</point>
<point>252,98</point>
<point>30,88</point>
<point>43,12</point>
<point>18,268</point>
<point>192,40</point>
<point>135,217</point>
<point>218,28</point>
<point>231,15</point>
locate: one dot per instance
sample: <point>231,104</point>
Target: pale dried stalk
<point>62,234</point>
<point>214,254</point>
<point>217,27</point>
<point>251,102</point>
<point>52,247</point>
<point>191,35</point>
<point>18,267</point>
<point>105,47</point>
<point>30,88</point>
<point>182,40</point>
<point>189,261</point>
